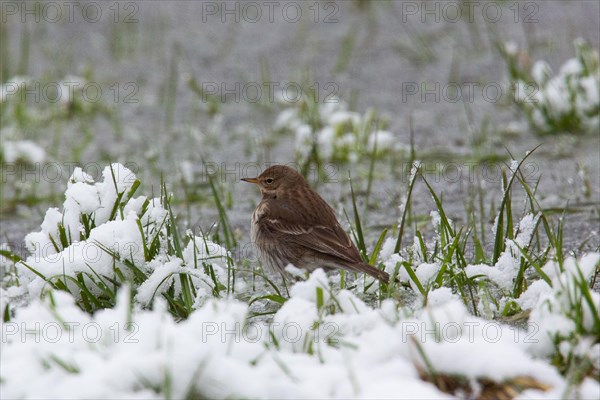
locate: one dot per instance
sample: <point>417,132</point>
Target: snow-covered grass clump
<point>24,151</point>
<point>29,100</point>
<point>566,314</point>
<point>105,237</point>
<point>330,132</point>
<point>553,103</point>
<point>35,113</point>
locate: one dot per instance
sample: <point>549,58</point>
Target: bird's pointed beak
<point>250,180</point>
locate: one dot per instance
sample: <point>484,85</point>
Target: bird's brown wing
<point>331,243</point>
<point>286,226</point>
<point>326,240</point>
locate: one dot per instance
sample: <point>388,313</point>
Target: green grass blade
<point>359,232</point>
<point>377,248</point>
<point>499,237</point>
<point>406,207</point>
<point>414,278</point>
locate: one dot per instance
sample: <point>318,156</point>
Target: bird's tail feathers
<point>371,270</point>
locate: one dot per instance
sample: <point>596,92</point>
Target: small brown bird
<point>293,224</point>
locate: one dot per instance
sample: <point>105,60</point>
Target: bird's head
<point>277,179</point>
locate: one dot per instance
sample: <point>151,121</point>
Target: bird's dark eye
<point>269,181</point>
